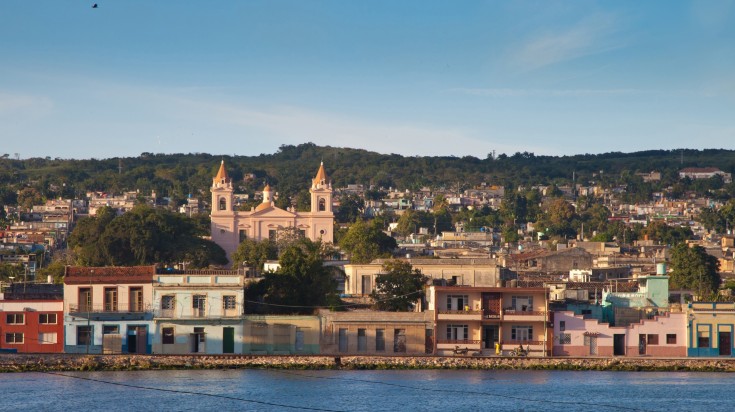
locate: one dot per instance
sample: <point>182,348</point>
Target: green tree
<point>350,209</point>
<point>301,285</point>
<point>366,242</point>
<point>8,270</point>
<point>56,269</point>
<point>558,219</point>
<point>693,268</point>
<point>28,197</point>
<point>142,236</point>
<point>399,288</point>
<point>408,223</point>
<point>668,235</point>
<point>255,253</point>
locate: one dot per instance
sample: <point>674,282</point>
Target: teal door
<point>228,340</point>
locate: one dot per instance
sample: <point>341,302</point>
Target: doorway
<point>228,340</point>
<point>490,334</point>
<point>724,341</point>
<point>593,345</point>
<point>137,339</point>
<point>198,340</point>
<point>641,344</point>
<point>619,344</point>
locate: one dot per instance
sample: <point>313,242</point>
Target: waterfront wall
<point>67,362</point>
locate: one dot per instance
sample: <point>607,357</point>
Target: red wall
<point>31,329</point>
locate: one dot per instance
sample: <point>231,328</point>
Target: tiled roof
<point>109,274</point>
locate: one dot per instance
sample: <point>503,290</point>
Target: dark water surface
<point>266,390</point>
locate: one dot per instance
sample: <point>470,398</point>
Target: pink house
<point>663,336</point>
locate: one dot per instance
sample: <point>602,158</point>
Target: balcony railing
<point>96,309</point>
<point>513,312</point>
<point>460,312</point>
<point>198,313</point>
<point>516,343</point>
<point>458,342</point>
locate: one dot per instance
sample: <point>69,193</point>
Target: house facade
<point>108,309</point>
<point>32,325</point>
<point>281,335</point>
<point>710,329</point>
<point>230,226</point>
<point>376,333</point>
<point>360,279</point>
<point>198,312</point>
<point>577,335</point>
<point>490,320</point>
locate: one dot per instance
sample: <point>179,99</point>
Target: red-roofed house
<point>108,309</point>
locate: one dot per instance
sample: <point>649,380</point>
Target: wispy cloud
<point>13,102</point>
<point>501,92</point>
<point>591,35</point>
<point>291,124</point>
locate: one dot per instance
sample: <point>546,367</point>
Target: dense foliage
<point>142,236</point>
<point>291,168</point>
<point>399,287</point>
<point>301,285</point>
<point>366,241</point>
<point>692,268</point>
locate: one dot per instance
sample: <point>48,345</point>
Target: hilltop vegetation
<point>290,169</point>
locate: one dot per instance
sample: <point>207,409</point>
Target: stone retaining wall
<point>67,362</point>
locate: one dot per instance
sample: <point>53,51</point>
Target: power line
<point>300,407</point>
<point>465,392</point>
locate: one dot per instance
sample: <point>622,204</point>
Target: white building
<point>198,312</point>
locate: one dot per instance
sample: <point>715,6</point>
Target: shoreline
<point>15,363</point>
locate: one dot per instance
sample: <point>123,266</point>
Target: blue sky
<point>408,77</point>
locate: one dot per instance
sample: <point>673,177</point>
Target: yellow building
<point>710,329</point>
<point>281,335</point>
<point>376,333</point>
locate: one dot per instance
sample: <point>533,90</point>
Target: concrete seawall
<point>66,362</point>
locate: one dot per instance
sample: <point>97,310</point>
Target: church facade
<point>230,226</point>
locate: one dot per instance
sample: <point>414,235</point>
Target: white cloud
<point>25,102</point>
<point>500,92</point>
<point>592,35</point>
<point>296,125</point>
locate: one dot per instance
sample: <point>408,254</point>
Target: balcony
<point>466,315</point>
<point>446,344</point>
<point>524,315</point>
<point>104,312</point>
<point>191,314</point>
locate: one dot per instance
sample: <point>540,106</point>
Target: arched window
<point>222,203</point>
<point>322,205</point>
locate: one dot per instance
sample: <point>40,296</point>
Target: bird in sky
<point>94,6</point>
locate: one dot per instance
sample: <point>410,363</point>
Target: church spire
<point>222,174</point>
<point>321,176</point>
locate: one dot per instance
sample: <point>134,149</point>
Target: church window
<point>243,235</point>
<point>222,203</point>
<point>322,205</point>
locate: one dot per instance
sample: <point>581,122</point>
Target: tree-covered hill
<point>290,169</point>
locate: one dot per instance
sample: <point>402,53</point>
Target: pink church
<point>230,227</point>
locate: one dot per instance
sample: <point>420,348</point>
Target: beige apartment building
<point>490,320</point>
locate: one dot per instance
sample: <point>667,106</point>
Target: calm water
<point>369,390</point>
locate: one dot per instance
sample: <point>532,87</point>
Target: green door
<point>228,340</point>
